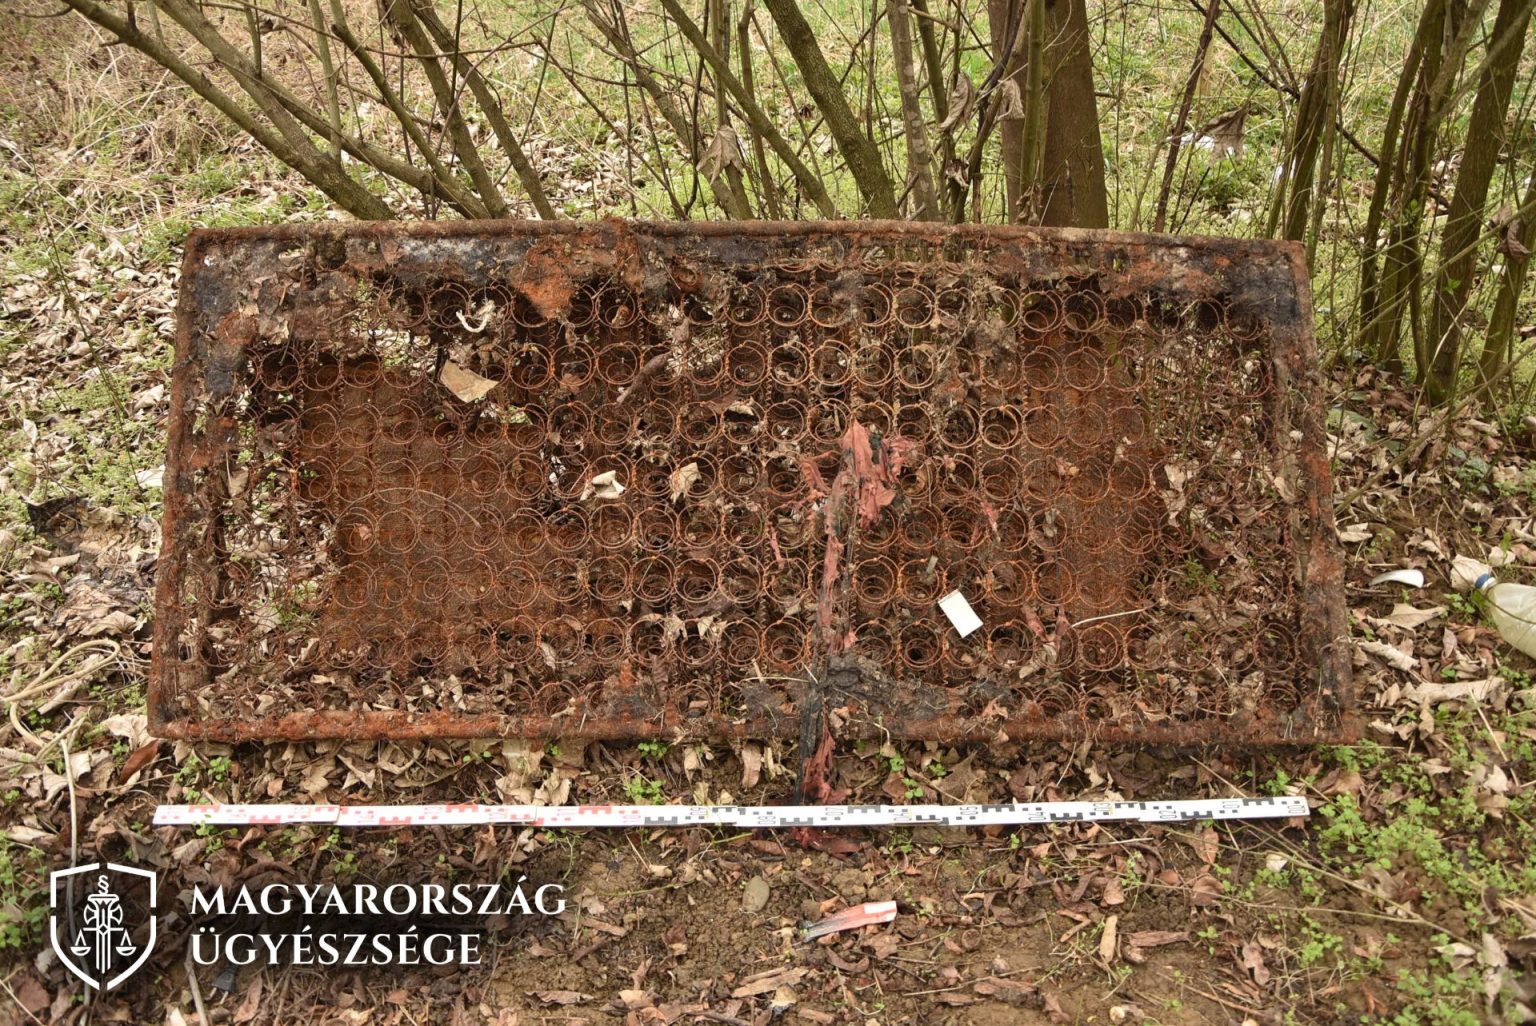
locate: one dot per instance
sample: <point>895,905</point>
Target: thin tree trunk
<point>1498,346</point>
<point>769,187</point>
<point>617,35</point>
<point>343,190</point>
<point>1463,227</point>
<point>1072,165</point>
<point>445,184</point>
<point>1387,163</point>
<point>859,152</point>
<point>328,71</point>
<point>936,84</point>
<point>1001,15</point>
<point>1032,148</point>
<point>963,175</point>
<point>626,52</point>
<point>919,153</point>
<point>730,180</point>
<point>1314,119</point>
<point>1403,258</point>
<point>1175,137</point>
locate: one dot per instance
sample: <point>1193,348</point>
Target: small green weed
<point>643,791</point>
<point>23,895</point>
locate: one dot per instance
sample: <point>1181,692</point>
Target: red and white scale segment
<point>740,816</point>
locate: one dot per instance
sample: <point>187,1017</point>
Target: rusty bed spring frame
<point>622,480</point>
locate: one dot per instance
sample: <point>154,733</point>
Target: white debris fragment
<point>1411,577</point>
<point>960,613</point>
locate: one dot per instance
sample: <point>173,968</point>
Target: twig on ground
<point>196,988</point>
<point>731,1020</point>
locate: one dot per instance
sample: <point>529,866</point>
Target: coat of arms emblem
<point>90,926</point>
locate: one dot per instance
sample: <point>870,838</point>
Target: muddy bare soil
<point>1069,923</point>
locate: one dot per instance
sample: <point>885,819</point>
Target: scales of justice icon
<point>96,936</point>
<point>103,935</point>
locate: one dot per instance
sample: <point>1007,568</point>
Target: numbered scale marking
<point>752,817</point>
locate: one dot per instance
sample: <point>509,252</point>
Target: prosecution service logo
<point>103,921</point>
<point>91,925</point>
<point>358,925</point>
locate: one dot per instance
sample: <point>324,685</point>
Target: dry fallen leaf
<point>1433,692</point>
<point>771,982</point>
<point>755,897</point>
<point>751,764</point>
<point>1108,938</point>
<point>559,997</point>
<point>1353,534</point>
<point>1223,134</point>
<point>138,760</point>
<point>250,1004</point>
<point>682,479</point>
<point>1253,961</point>
<point>1511,245</point>
<point>1013,992</point>
<point>132,727</point>
<point>783,998</point>
<point>1156,938</point>
<point>1494,960</point>
<point>1392,656</point>
<point>603,486</point>
<point>1207,845</point>
<point>630,1000</point>
<point>955,998</point>
<point>1405,615</point>
<point>961,99</point>
<point>724,151</point>
<point>1010,101</point>
<point>32,995</point>
<point>1205,890</point>
<point>466,384</point>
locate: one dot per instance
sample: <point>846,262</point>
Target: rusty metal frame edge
<point>1323,599</point>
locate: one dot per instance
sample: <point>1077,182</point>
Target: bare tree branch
<point>402,16</point>
<point>443,183</point>
<point>491,107</point>
<point>810,184</point>
<point>346,192</point>
<point>859,152</point>
<point>1181,120</point>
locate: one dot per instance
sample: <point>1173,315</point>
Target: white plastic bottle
<point>1512,606</point>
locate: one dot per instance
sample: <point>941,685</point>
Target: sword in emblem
<point>103,933</point>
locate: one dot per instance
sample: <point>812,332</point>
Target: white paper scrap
<point>960,613</point>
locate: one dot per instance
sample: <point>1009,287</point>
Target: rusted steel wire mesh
<point>622,480</point>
